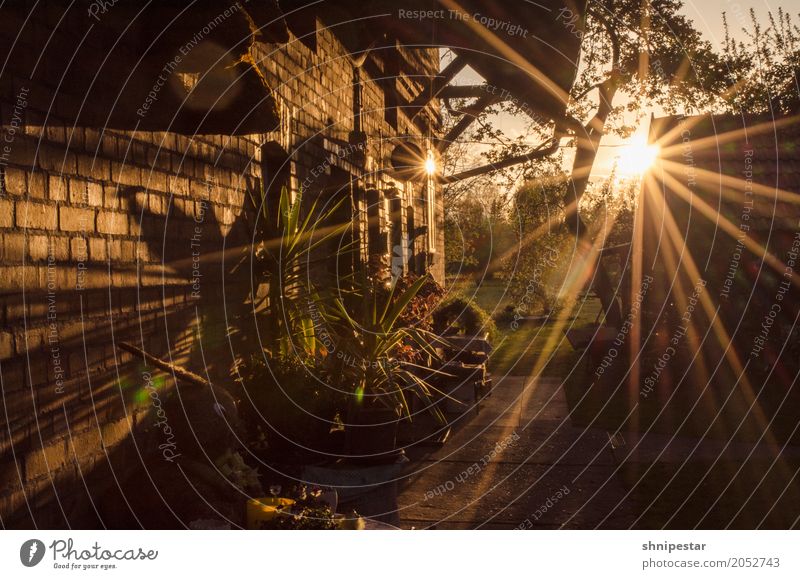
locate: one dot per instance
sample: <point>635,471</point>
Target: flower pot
<point>372,432</point>
<point>264,509</point>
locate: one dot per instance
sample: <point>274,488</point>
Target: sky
<point>707,16</point>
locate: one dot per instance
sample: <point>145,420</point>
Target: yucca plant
<point>288,248</point>
<point>371,347</point>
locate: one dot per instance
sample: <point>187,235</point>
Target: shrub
<point>462,314</point>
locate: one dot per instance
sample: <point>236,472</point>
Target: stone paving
<point>544,473</point>
<point>520,463</point>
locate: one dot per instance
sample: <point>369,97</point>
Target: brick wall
<point>110,235</point>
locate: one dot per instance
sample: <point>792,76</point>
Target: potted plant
<point>381,362</point>
<point>288,400</point>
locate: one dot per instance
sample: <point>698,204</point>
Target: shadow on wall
<point>87,420</point>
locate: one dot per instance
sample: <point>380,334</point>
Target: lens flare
<point>636,158</point>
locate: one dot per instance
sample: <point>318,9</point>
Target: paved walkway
<point>519,462</point>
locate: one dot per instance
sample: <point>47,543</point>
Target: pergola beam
<point>439,82</point>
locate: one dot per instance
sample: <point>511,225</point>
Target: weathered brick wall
<point>314,89</point>
<point>110,235</point>
<point>82,267</point>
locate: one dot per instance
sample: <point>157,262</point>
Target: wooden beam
<point>439,82</point>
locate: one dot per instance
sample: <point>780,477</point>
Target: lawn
<point>518,350</point>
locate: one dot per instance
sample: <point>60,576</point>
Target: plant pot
<point>264,510</point>
<point>372,433</point>
<point>295,421</point>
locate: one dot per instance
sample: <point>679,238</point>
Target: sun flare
<point>636,158</point>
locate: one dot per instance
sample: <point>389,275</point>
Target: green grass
<point>488,296</point>
<point>517,351</point>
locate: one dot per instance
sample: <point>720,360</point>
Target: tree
<point>535,274</point>
<point>477,232</point>
<point>762,69</point>
<point>654,55</point>
<point>644,50</point>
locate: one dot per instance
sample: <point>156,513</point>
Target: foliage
<point>293,398</point>
<point>369,347</point>
<point>536,271</point>
<point>477,234</point>
<point>232,466</point>
<point>761,71</point>
<point>421,306</point>
<point>289,246</point>
<point>648,51</point>
<point>327,352</point>
<point>463,314</point>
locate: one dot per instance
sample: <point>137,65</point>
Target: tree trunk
<point>581,168</point>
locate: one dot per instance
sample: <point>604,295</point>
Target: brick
<point>14,307</point>
<point>37,370</point>
<point>38,247</point>
<point>95,194</point>
<point>94,167</point>
<point>30,340</point>
<point>44,460</point>
<point>78,194</point>
<point>115,249</point>
<point>111,197</point>
<point>37,184</point>
<point>60,248</point>
<point>143,253</point>
<point>114,432</point>
<point>6,345</point>
<point>75,136</point>
<point>23,152</point>
<point>157,204</point>
<point>76,219</point>
<point>16,182</point>
<point>32,215</point>
<point>109,146</point>
<point>78,249</point>
<point>56,134</point>
<point>112,223</point>
<point>91,140</point>
<point>126,174</point>
<point>128,251</point>
<point>6,213</point>
<point>57,188</point>
<point>56,160</point>
<point>179,186</point>
<point>97,249</point>
<point>14,372</point>
<point>156,181</point>
<point>86,443</point>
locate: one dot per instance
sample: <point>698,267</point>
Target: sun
<point>636,157</point>
<point>430,164</point>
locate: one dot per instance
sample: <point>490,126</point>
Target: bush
<point>461,314</point>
